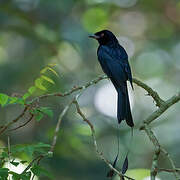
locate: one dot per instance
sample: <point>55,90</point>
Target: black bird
<point>114,62</point>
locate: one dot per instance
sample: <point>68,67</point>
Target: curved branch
<point>100,154</point>
<point>161,109</point>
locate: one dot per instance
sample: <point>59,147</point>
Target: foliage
<point>9,154</point>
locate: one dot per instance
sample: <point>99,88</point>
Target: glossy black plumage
<point>114,62</point>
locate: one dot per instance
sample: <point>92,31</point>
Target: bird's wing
<point>123,58</point>
<point>114,68</point>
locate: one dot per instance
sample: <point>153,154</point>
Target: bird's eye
<point>102,34</point>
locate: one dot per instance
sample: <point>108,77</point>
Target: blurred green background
<point>34,33</point>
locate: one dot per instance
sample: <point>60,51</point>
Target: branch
<point>50,153</point>
<point>29,120</point>
<point>161,109</point>
<point>100,154</point>
<point>160,103</point>
<point>73,89</point>
<point>13,121</point>
<point>151,92</point>
<point>58,126</point>
<point>157,151</point>
<point>169,170</point>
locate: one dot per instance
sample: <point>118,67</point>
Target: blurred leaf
<point>4,173</point>
<point>37,170</point>
<point>139,174</point>
<point>47,111</point>
<point>47,79</point>
<point>24,176</point>
<point>29,149</point>
<point>13,100</point>
<point>3,99</point>
<point>14,163</point>
<point>23,162</point>
<point>38,84</point>
<point>53,71</point>
<point>32,89</point>
<point>4,154</point>
<point>50,69</point>
<point>43,70</point>
<point>26,95</point>
<point>39,116</point>
<point>95,19</point>
<point>52,64</point>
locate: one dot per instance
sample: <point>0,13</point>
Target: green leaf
<point>23,162</point>
<point>26,95</point>
<point>12,100</point>
<point>46,111</point>
<point>3,99</point>
<point>15,100</point>
<point>42,145</point>
<point>32,89</point>
<point>38,84</point>
<point>15,163</point>
<point>4,173</point>
<point>43,70</point>
<point>52,64</point>
<point>29,149</point>
<point>4,154</point>
<point>24,176</point>
<point>39,116</point>
<point>37,170</point>
<point>53,71</point>
<point>47,79</point>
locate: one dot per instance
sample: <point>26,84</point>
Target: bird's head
<point>104,37</point>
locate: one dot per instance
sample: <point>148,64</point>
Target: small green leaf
<point>42,145</point>
<point>47,79</point>
<point>4,154</point>
<point>39,116</point>
<point>32,89</point>
<point>46,111</point>
<point>3,99</point>
<point>43,70</point>
<point>15,163</point>
<point>38,84</point>
<point>20,101</point>
<point>23,162</point>
<point>26,95</point>
<point>12,100</point>
<point>52,64</point>
<point>37,170</point>
<point>53,71</point>
<point>4,173</point>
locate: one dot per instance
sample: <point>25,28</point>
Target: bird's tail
<point>123,106</point>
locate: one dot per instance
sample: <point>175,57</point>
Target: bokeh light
<point>105,100</point>
<point>95,19</point>
<point>17,169</point>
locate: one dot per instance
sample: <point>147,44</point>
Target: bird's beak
<point>94,36</point>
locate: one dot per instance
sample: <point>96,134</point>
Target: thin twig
<point>14,121</point>
<point>40,157</point>
<point>100,154</point>
<point>22,125</point>
<point>151,92</point>
<point>176,175</point>
<point>73,89</point>
<point>161,110</point>
<point>157,151</point>
<point>169,170</point>
<point>160,103</point>
<point>58,126</point>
